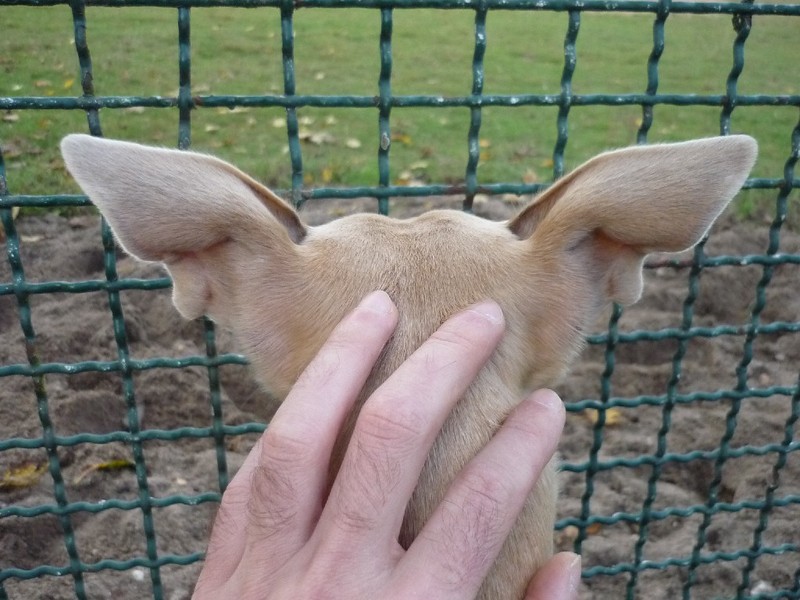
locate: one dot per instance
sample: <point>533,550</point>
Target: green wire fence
<point>639,574</point>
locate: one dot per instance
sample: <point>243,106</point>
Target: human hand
<point>278,534</point>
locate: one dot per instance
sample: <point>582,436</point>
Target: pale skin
<point>281,533</point>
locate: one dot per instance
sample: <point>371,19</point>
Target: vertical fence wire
<point>184,78</point>
<point>592,464</point>
<point>565,98</point>
<point>742,25</point>
<point>133,418</point>
<point>54,465</point>
<point>6,217</point>
<point>742,28</point>
<point>185,106</point>
<point>652,69</point>
<point>773,483</point>
<point>384,107</point>
<point>289,89</point>
<point>698,258</point>
<point>473,137</point>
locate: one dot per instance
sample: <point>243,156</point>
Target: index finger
<point>279,487</point>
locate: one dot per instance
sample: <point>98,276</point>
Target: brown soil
<point>77,327</point>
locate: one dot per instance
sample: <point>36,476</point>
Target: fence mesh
<point>760,561</point>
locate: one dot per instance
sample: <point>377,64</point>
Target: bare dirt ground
<point>77,327</point>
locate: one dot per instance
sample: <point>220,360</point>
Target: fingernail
<point>545,397</point>
<point>378,302</point>
<point>488,310</point>
<point>574,570</point>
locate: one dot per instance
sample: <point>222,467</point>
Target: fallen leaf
<point>136,110</point>
<point>547,163</point>
<point>407,178</point>
<point>117,464</point>
<point>322,137</point>
<point>24,476</point>
<point>68,83</point>
<point>14,213</point>
<point>319,76</point>
<point>42,83</point>
<point>530,176</point>
<point>31,239</point>
<point>330,120</point>
<point>211,128</point>
<point>278,122</point>
<point>352,143</point>
<point>484,143</point>
<point>403,138</point>
<point>315,137</point>
<point>613,416</point>
<point>10,117</point>
<point>594,528</point>
<point>568,535</point>
<point>16,87</point>
<point>327,175</point>
<point>306,120</point>
<point>419,165</point>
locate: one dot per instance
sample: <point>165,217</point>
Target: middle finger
<point>397,426</point>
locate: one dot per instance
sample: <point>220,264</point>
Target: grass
<point>238,51</point>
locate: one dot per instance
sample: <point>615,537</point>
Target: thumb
<point>558,579</point>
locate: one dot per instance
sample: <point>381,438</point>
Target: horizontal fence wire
<point>386,104</point>
<point>647,6</point>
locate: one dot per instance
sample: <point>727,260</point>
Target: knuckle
<point>485,496</point>
<point>395,425</point>
<point>485,487</point>
<point>374,465</point>
<point>453,339</point>
<point>271,502</point>
<point>286,447</point>
<point>272,506</point>
<point>473,528</point>
<point>367,481</point>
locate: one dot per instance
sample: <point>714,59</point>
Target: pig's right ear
<point>176,207</point>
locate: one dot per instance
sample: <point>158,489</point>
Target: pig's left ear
<point>613,210</point>
<point>178,207</point>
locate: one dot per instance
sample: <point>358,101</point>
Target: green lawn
<point>238,51</point>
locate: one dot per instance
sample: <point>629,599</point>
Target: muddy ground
<point>77,327</point>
